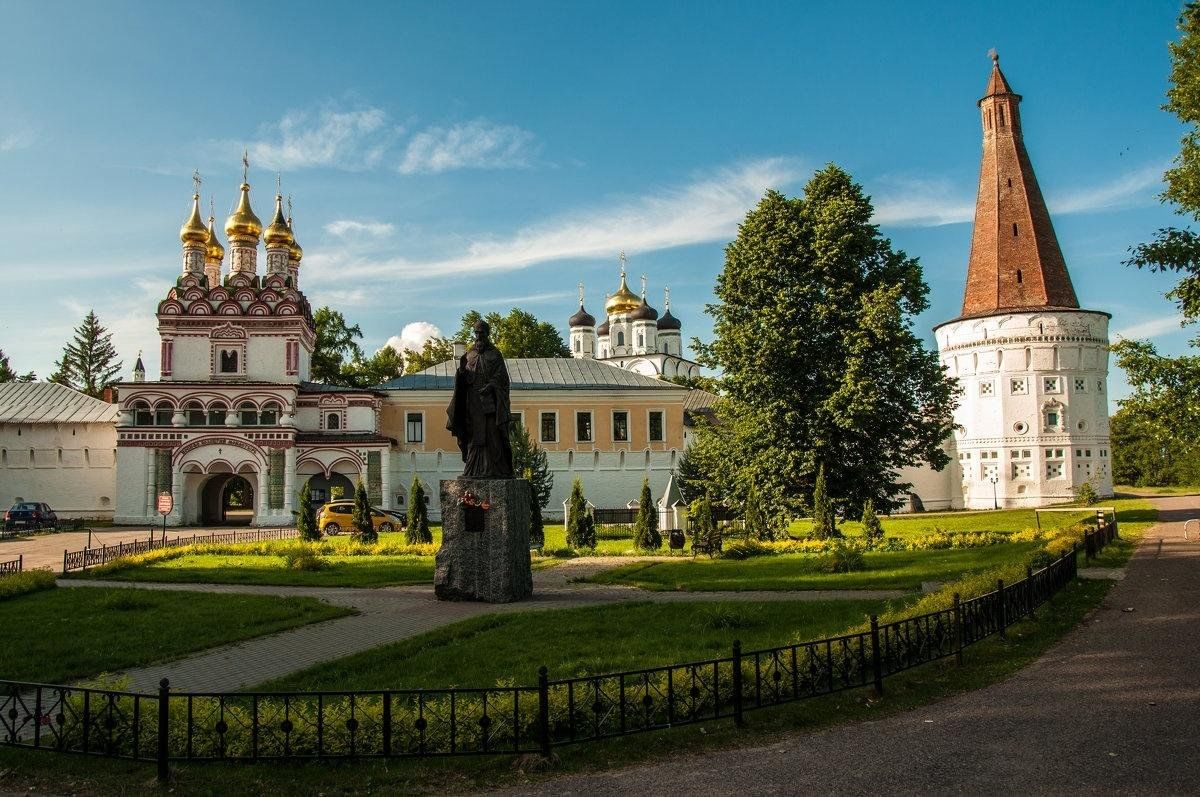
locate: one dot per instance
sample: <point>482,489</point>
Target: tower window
<point>248,414</point>
<point>1014,229</point>
<point>620,338</point>
<point>1019,276</point>
<point>1010,182</point>
<point>641,340</point>
<point>576,345</point>
<point>1000,114</point>
<point>229,361</point>
<point>333,421</point>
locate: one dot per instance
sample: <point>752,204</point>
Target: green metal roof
<point>541,373</point>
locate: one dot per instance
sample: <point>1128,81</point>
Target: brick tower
<point>1032,424</point>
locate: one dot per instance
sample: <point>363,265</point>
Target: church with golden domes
<point>632,336</point>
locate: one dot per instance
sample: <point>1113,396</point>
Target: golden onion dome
<point>216,252</point>
<point>622,301</point>
<point>242,223</point>
<point>295,252</point>
<point>193,230</point>
<point>278,232</point>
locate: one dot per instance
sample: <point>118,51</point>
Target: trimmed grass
<point>884,570</point>
<point>65,634</point>
<point>574,642</point>
<point>1178,489</point>
<point>342,571</point>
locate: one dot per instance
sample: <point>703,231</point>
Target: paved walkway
<point>46,550</point>
<point>391,614</point>
<point>1114,709</point>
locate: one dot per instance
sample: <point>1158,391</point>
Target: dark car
<point>30,515</point>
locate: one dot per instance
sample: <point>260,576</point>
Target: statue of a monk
<point>479,412</point>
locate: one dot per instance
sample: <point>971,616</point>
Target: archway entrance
<point>227,500</point>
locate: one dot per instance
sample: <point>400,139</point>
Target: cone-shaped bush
<point>364,527</point>
<point>872,528</point>
<point>645,527</point>
<point>418,532</point>
<point>306,518</point>
<point>581,531</point>
<point>824,523</point>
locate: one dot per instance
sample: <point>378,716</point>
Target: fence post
<point>164,728</point>
<point>21,563</point>
<point>387,724</point>
<point>1029,589</point>
<point>737,684</point>
<point>959,635</point>
<point>1003,612</point>
<point>65,560</point>
<point>876,656</point>
<point>544,711</point>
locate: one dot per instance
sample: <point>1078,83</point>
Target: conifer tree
<point>581,531</point>
<point>418,532</point>
<point>89,362</point>
<point>364,525</point>
<point>872,528</point>
<point>645,528</point>
<point>824,523</point>
<point>703,524</point>
<point>306,518</point>
<point>531,463</point>
<point>7,374</point>
<point>757,525</point>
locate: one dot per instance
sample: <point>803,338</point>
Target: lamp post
<point>993,479</point>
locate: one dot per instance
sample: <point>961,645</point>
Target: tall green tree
<point>336,346</point>
<point>435,351</point>
<point>645,527</point>
<point>824,521</point>
<point>872,528</point>
<point>814,338</point>
<point>1166,390</point>
<point>306,518</point>
<point>1146,453</point>
<point>89,362</point>
<point>702,523</point>
<point>758,527</point>
<point>7,374</point>
<point>382,366</point>
<point>531,463</point>
<point>518,334</point>
<point>364,524</point>
<point>581,531</point>
<point>418,532</point>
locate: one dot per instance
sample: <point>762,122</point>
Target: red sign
<point>165,503</point>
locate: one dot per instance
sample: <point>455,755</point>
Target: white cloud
<point>931,203</point>
<point>350,140</point>
<point>348,227</point>
<point>1153,328</point>
<point>477,144</point>
<point>19,139</point>
<point>707,209</point>
<point>413,336</point>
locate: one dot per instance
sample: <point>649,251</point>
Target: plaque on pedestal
<point>485,541</point>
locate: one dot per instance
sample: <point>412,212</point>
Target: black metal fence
<point>12,566</point>
<point>505,720</point>
<point>92,557</point>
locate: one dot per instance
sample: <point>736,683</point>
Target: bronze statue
<point>479,412</point>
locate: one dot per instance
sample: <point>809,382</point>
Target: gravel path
<point>1113,709</point>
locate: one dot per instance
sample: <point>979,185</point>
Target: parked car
<point>30,515</point>
<point>337,516</point>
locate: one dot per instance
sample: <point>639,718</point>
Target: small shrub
<point>127,600</point>
<point>364,525</point>
<point>25,582</point>
<point>303,557</point>
<point>581,528</point>
<point>1085,494</point>
<point>748,548</point>
<point>872,528</point>
<point>614,531</point>
<point>845,557</point>
<point>645,529</point>
<point>725,617</point>
<point>824,522</point>
<point>418,532</point>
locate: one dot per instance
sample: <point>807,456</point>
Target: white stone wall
<point>192,358</point>
<point>71,467</point>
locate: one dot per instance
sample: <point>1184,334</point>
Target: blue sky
<point>447,156</point>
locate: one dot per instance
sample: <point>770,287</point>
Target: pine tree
<point>824,523</point>
<point>703,524</point>
<point>306,518</point>
<point>645,527</point>
<point>7,374</point>
<point>89,362</point>
<point>757,525</point>
<point>418,532</point>
<point>872,528</point>
<point>364,525</point>
<point>531,462</point>
<point>581,531</point>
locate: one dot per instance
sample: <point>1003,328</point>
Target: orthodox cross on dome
<point>995,56</point>
<point>581,294</point>
<point>621,257</point>
<point>279,183</point>
<point>667,299</point>
<point>212,207</point>
<point>245,164</point>
<point>643,286</point>
<point>289,210</point>
<point>196,181</point>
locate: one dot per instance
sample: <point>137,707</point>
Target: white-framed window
<point>1083,453</point>
<point>196,416</point>
<point>987,388</point>
<point>269,416</point>
<point>1020,427</point>
<point>1054,470</point>
<point>584,432</point>
<point>1022,469</point>
<point>989,470</point>
<point>1103,453</point>
<point>247,414</point>
<point>518,417</point>
<point>227,360</point>
<point>333,421</point>
<point>641,340</point>
<point>577,345</point>
<point>656,426</point>
<point>548,427</point>
<point>1099,385</point>
<point>1018,386</point>
<point>414,427</point>
<point>1051,384</point>
<point>620,426</point>
<point>1080,384</point>
<point>217,411</point>
<point>1055,453</point>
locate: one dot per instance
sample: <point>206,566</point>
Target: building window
<point>162,413</point>
<point>1051,384</point>
<point>333,421</point>
<point>142,415</point>
<point>414,427</point>
<point>1103,453</point>
<point>1054,453</point>
<point>1080,385</point>
<point>1019,280</point>
<point>196,416</point>
<point>987,388</point>
<point>167,354</point>
<point>248,414</point>
<point>583,427</point>
<point>1099,385</point>
<point>656,426</point>
<point>292,357</point>
<point>620,420</point>
<point>269,415</point>
<point>517,418</point>
<point>1020,427</point>
<point>1054,470</point>
<point>549,427</point>
<point>641,340</point>
<point>216,414</point>
<point>1018,386</point>
<point>229,361</point>
<point>577,345</point>
<point>620,338</point>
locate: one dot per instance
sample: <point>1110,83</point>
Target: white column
<point>151,486</point>
<point>176,516</point>
<point>385,478</point>
<point>290,499</point>
<point>260,513</point>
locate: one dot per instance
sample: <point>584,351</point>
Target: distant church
<point>1032,423</point>
<point>632,336</point>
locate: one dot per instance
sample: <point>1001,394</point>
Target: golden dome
<point>193,230</point>
<point>216,252</point>
<point>278,232</point>
<point>622,301</point>
<point>242,223</point>
<point>295,253</point>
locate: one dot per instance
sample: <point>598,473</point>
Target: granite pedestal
<point>485,552</point>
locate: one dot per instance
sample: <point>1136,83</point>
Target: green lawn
<point>884,570</point>
<point>572,642</point>
<point>61,635</point>
<point>340,571</point>
<point>1167,490</point>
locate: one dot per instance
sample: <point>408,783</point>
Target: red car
<point>30,515</point>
